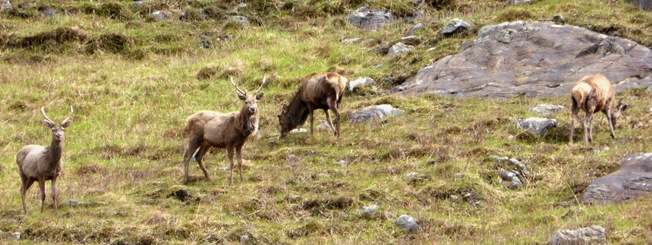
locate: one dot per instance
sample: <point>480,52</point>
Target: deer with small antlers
<point>206,129</point>
<point>39,163</point>
<point>594,94</point>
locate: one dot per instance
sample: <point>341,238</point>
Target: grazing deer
<point>593,94</point>
<point>206,129</point>
<point>38,163</point>
<point>318,91</point>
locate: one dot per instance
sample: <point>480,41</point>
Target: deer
<point>592,94</point>
<point>317,91</point>
<point>43,163</point>
<point>206,129</point>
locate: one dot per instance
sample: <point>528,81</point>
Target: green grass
<point>123,152</point>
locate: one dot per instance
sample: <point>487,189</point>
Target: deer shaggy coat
<point>594,94</point>
<point>318,91</point>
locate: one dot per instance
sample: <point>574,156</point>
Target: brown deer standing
<point>38,163</point>
<point>593,94</point>
<point>206,129</point>
<point>318,91</point>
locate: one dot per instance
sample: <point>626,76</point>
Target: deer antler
<point>236,87</point>
<point>68,118</point>
<point>46,117</point>
<point>262,85</point>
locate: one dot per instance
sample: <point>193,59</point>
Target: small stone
<point>360,82</point>
<point>408,223</point>
<point>242,5</point>
<point>245,239</point>
<point>161,15</point>
<point>590,235</point>
<point>16,235</point>
<point>454,198</point>
<point>415,29</point>
<point>298,130</point>
<point>409,177</point>
<point>351,41</point>
<point>398,49</point>
<point>369,210</point>
<point>70,203</point>
<point>468,196</point>
<point>456,26</point>
<point>536,124</point>
<point>558,19</point>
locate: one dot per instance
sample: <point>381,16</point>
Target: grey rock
<point>415,29</point>
<point>6,6</point>
<point>410,177</point>
<point>49,12</point>
<point>245,239</point>
<point>524,58</point>
<point>242,5</point>
<point>468,197</point>
<point>633,179</point>
<point>642,4</point>
<point>369,19</point>
<point>162,15</point>
<point>510,179</point>
<point>351,41</point>
<point>239,18</point>
<point>369,211</point>
<point>298,130</point>
<point>410,40</point>
<point>366,81</point>
<point>375,112</point>
<point>408,223</point>
<point>519,2</point>
<point>558,19</point>
<point>454,198</point>
<point>536,124</point>
<point>456,26</point>
<point>71,203</point>
<point>398,49</point>
<point>138,4</point>
<point>293,160</point>
<point>323,125</point>
<point>546,109</point>
<point>16,235</point>
<point>590,235</point>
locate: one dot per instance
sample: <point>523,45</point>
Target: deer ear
<point>242,97</point>
<point>48,123</point>
<point>260,96</point>
<point>65,123</point>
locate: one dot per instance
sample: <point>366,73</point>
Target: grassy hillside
<point>134,80</point>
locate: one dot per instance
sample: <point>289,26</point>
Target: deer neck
<point>298,111</point>
<point>55,151</point>
<point>248,122</point>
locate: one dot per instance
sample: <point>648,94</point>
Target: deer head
<point>57,129</point>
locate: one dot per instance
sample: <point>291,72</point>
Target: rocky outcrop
<point>633,179</point>
<point>533,59</point>
<point>643,4</point>
<point>370,19</point>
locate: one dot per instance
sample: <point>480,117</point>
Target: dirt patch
<point>53,40</point>
<point>306,229</point>
<point>113,42</point>
<point>321,205</point>
<point>92,168</point>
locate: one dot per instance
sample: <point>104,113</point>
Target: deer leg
<point>199,156</point>
<point>611,124</point>
<point>585,125</point>
<point>193,144</point>
<point>238,152</point>
<point>574,117</point>
<point>311,120</point>
<point>330,122</point>
<point>229,153</point>
<point>55,196</point>
<point>27,183</point>
<point>337,122</point>
<point>41,185</point>
<point>590,121</point>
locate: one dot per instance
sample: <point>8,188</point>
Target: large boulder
<point>589,235</point>
<point>533,59</point>
<point>643,4</point>
<point>633,179</point>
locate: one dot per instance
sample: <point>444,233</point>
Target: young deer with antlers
<point>38,163</point>
<point>206,129</point>
<point>593,94</point>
